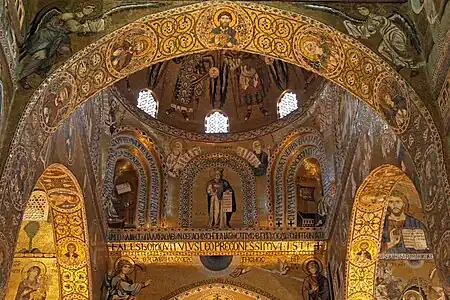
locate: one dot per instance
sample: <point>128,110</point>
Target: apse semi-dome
<point>257,94</point>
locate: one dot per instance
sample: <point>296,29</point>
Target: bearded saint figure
<point>219,214</point>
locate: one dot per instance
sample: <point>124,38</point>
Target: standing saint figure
<point>33,286</point>
<point>49,39</point>
<point>216,189</point>
<point>262,157</point>
<point>122,287</point>
<point>315,286</point>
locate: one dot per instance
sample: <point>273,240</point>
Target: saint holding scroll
<point>221,201</point>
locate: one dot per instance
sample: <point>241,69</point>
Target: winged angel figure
<point>49,36</point>
<point>394,30</point>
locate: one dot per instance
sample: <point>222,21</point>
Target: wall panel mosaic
<point>296,39</point>
<point>218,160</point>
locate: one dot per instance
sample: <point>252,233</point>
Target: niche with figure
<point>218,199</point>
<point>125,192</point>
<point>309,194</point>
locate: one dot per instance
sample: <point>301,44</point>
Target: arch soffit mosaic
<point>222,160</point>
<point>369,209</point>
<point>70,226</point>
<point>291,151</point>
<point>150,168</point>
<point>290,193</point>
<point>218,285</point>
<point>345,62</point>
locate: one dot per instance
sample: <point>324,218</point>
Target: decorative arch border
<point>225,284</point>
<point>280,162</point>
<point>262,30</point>
<point>69,226</point>
<point>366,225</point>
<point>291,193</point>
<point>143,182</point>
<point>156,195</point>
<point>222,160</point>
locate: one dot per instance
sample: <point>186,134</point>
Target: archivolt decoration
<point>274,33</point>
<point>366,227</point>
<point>290,186</point>
<point>218,285</point>
<point>218,160</point>
<point>281,167</point>
<point>70,228</point>
<point>143,182</point>
<point>156,193</point>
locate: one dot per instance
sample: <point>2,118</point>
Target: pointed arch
<point>366,226</point>
<point>201,290</point>
<point>129,143</point>
<point>60,189</point>
<point>348,63</point>
<point>222,160</point>
<point>297,146</point>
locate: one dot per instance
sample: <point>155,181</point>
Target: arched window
<point>37,207</point>
<point>287,104</point>
<point>147,102</point>
<point>217,122</point>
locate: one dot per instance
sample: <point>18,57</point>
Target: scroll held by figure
<point>221,201</point>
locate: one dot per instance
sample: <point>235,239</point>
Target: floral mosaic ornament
<point>70,227</point>
<point>99,72</point>
<point>365,230</point>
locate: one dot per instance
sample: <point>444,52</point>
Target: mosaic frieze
<point>366,230</point>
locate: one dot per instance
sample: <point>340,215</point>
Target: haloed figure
<point>315,286</point>
<point>121,286</point>
<point>223,35</point>
<point>71,256</point>
<point>220,212</point>
<point>397,219</point>
<point>32,288</point>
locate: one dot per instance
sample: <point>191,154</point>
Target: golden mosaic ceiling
<point>246,87</point>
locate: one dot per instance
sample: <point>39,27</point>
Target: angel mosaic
<point>121,286</point>
<point>396,34</point>
<point>393,45</point>
<point>49,39</point>
<point>214,75</point>
<point>34,283</point>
